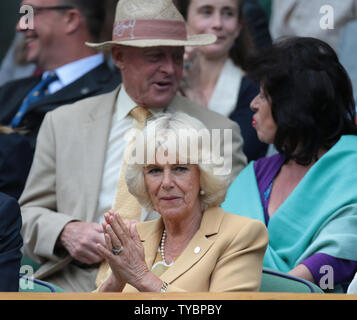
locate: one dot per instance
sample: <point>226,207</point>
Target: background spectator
<point>215,75</point>
<point>70,74</point>
<point>304,193</point>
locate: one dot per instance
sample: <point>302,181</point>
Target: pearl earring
<point>202,192</point>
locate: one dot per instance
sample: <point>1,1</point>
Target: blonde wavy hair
<point>214,186</point>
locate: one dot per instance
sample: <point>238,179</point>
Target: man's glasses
<point>40,9</point>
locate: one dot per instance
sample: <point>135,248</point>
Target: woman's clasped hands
<point>124,253</point>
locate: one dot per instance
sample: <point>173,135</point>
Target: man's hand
<point>80,239</point>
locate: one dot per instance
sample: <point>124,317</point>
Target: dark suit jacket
<point>99,80</point>
<point>15,162</point>
<point>242,114</point>
<point>10,243</point>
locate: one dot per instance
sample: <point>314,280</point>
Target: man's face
<point>151,76</point>
<point>43,42</point>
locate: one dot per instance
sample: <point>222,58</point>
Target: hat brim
<point>193,41</point>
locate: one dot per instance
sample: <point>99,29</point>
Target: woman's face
<point>173,188</point>
<point>219,17</point>
<point>263,120</point>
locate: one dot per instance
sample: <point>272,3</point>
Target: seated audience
<point>16,65</point>
<point>79,159</point>
<point>72,71</point>
<point>304,194</point>
<point>10,243</point>
<point>214,76</point>
<point>194,245</point>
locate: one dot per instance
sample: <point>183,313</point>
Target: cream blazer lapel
<point>150,235</point>
<point>151,232</point>
<point>96,127</point>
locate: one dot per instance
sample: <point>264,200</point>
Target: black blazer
<point>97,81</point>
<point>10,243</point>
<point>242,114</point>
<point>15,162</point>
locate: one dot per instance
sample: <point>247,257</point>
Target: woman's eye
<point>206,11</point>
<point>153,170</point>
<point>228,13</point>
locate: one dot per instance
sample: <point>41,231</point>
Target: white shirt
<point>122,122</point>
<point>225,95</point>
<point>72,71</point>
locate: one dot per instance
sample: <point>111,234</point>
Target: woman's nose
<point>217,20</point>
<point>167,180</point>
<point>253,104</point>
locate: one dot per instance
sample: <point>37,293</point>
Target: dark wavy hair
<point>243,46</point>
<point>94,12</point>
<point>311,96</point>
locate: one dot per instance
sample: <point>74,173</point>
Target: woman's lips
<point>221,38</point>
<point>254,122</point>
<point>169,198</point>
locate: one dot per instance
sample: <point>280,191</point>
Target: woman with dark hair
<point>214,76</point>
<point>305,194</point>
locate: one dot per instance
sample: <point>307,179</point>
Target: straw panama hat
<point>151,23</point>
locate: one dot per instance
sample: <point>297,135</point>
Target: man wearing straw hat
<point>78,164</point>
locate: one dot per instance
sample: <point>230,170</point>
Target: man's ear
<point>118,56</point>
<point>73,20</point>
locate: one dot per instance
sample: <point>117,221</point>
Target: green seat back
<point>276,281</point>
<point>29,262</point>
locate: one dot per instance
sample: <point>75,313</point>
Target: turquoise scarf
<point>319,216</point>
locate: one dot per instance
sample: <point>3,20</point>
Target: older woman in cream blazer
<point>194,245</point>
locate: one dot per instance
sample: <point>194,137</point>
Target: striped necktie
<point>125,203</point>
<point>36,94</point>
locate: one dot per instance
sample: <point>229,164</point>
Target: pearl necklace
<point>162,246</point>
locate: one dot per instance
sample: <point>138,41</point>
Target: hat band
<point>149,29</point>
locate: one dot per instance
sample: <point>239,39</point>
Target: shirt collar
<point>72,71</point>
<point>127,104</point>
